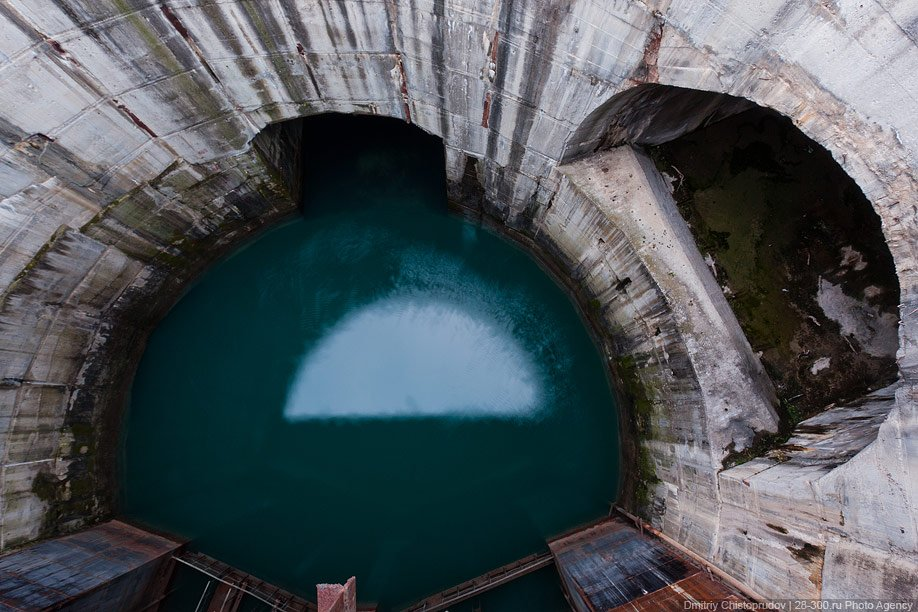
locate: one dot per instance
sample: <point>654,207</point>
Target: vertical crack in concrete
<point>647,71</point>
<point>489,72</point>
<point>439,68</point>
<point>392,15</point>
<point>309,72</point>
<point>173,19</point>
<point>134,118</point>
<point>498,55</point>
<point>303,42</point>
<point>403,87</point>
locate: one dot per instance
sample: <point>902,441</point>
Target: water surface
<point>375,388</point>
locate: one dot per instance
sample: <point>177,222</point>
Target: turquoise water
<point>376,388</point>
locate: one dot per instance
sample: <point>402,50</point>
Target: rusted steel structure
<point>116,566</point>
<point>113,566</point>
<point>226,598</point>
<point>234,584</point>
<point>482,584</point>
<point>611,565</point>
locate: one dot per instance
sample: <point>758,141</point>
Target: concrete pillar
<point>338,597</point>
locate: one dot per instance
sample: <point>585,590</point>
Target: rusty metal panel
<point>110,566</point>
<point>611,565</point>
<point>699,587</point>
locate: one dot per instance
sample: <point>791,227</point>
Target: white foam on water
<point>415,355</point>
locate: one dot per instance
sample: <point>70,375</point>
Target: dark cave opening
<point>798,251</point>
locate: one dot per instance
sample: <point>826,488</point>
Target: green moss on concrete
<point>773,211</point>
<point>36,259</point>
<point>153,42</point>
<point>747,242</point>
<point>765,442</point>
<point>636,393</point>
<point>46,487</point>
<point>162,222</point>
<point>130,197</point>
<point>185,91</point>
<point>72,501</point>
<point>278,60</point>
<point>641,407</point>
<point>646,481</point>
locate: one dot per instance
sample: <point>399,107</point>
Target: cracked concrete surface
<point>126,163</point>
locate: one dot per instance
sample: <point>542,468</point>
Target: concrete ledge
<point>696,387</point>
<point>739,398</point>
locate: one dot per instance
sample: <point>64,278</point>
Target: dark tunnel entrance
<point>794,244</point>
<point>798,251</point>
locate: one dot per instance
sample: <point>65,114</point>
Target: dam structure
<point>142,142</point>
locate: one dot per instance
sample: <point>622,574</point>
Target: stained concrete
<point>737,395</point>
<point>126,164</point>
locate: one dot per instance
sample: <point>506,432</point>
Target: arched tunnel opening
<point>272,423</point>
<point>792,242</point>
<point>798,251</point>
<point>375,387</point>
<point>374,260</point>
<point>733,285</point>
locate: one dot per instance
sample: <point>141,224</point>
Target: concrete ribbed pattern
<point>125,165</point>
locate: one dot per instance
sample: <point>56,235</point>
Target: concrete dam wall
<point>135,152</point>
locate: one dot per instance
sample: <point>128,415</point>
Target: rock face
<point>128,161</point>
